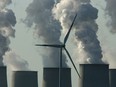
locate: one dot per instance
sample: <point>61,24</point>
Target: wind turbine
<point>62,46</point>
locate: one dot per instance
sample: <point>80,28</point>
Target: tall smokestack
<point>51,77</point>
<point>112,77</point>
<point>3,76</point>
<point>24,79</point>
<point>94,75</point>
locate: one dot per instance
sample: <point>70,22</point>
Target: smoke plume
<point>7,21</point>
<point>111,11</point>
<point>15,62</point>
<point>85,27</point>
<point>39,14</point>
<point>109,56</point>
<point>4,3</point>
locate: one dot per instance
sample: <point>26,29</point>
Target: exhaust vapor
<point>7,22</point>
<point>15,62</point>
<point>85,27</point>
<point>39,15</point>
<point>4,3</point>
<point>111,12</point>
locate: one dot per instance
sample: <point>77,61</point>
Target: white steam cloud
<point>4,3</point>
<point>49,16</point>
<point>111,12</point>
<point>15,62</point>
<point>39,13</point>
<point>109,56</point>
<point>7,21</point>
<point>85,27</point>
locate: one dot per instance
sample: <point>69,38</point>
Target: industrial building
<point>92,75</point>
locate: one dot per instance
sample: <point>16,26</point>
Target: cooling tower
<point>112,77</point>
<point>51,77</point>
<point>3,76</point>
<point>24,79</point>
<point>94,75</point>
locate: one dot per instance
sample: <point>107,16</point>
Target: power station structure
<point>112,77</point>
<point>51,77</point>
<point>92,75</point>
<point>24,79</point>
<point>3,76</point>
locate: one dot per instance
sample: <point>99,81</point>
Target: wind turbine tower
<point>61,47</point>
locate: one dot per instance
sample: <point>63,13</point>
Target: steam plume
<point>4,3</point>
<point>15,62</point>
<point>7,21</point>
<point>109,56</point>
<point>85,27</point>
<point>39,13</point>
<point>111,11</point>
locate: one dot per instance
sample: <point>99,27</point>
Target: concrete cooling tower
<point>3,76</point>
<point>112,77</point>
<point>24,79</point>
<point>94,75</point>
<point>51,77</point>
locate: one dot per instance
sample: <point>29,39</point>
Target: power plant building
<point>3,76</point>
<point>112,77</point>
<point>24,79</point>
<point>94,75</point>
<point>54,77</point>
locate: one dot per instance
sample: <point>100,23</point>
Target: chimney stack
<point>51,77</point>
<point>112,77</point>
<point>24,79</point>
<point>3,76</point>
<point>94,75</point>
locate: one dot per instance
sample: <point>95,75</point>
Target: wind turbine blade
<point>67,35</point>
<point>72,62</point>
<point>46,45</point>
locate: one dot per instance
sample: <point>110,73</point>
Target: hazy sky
<point>24,41</point>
